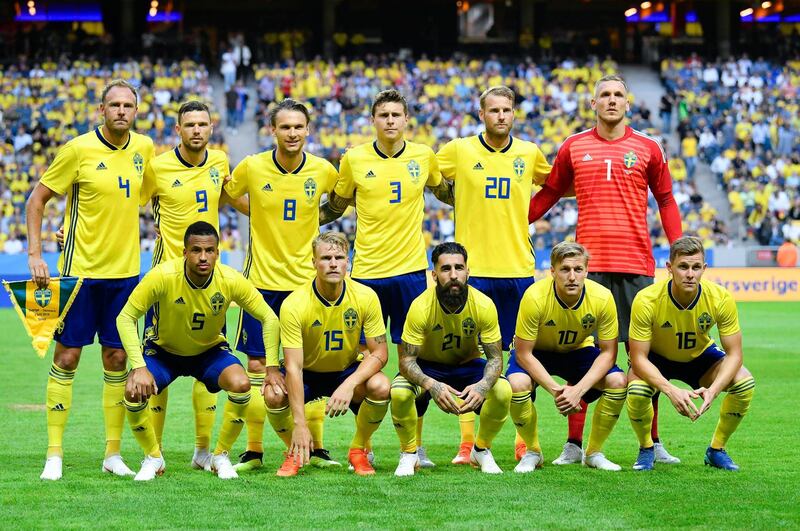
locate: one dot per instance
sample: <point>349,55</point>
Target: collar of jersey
<point>323,300</point>
<point>383,155</point>
<point>186,163</point>
<point>282,169</point>
<point>108,144</point>
<point>192,284</point>
<point>457,311</point>
<point>627,135</point>
<point>564,304</point>
<point>691,304</point>
<point>493,150</point>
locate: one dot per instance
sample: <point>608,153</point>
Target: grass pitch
<point>762,495</point>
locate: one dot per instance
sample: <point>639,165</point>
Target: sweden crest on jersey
<point>217,302</point>
<point>588,321</point>
<point>350,318</point>
<point>214,174</point>
<point>413,171</point>
<point>705,322</point>
<point>519,167</point>
<point>468,326</point>
<point>310,188</point>
<point>629,159</point>
<point>138,163</point>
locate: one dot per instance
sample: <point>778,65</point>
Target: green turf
<point>762,495</point>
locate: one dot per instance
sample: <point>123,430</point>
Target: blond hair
<point>686,246</point>
<point>499,90</point>
<point>611,77</point>
<point>567,250</point>
<point>332,238</point>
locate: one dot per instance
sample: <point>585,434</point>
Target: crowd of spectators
<point>553,102</point>
<point>742,118</point>
<point>44,104</point>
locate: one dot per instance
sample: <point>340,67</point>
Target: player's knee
<point>256,364</point>
<point>378,387</point>
<point>66,358</point>
<point>114,359</point>
<point>616,380</point>
<point>234,380</point>
<point>501,391</point>
<point>741,374</point>
<point>520,382</point>
<point>275,400</point>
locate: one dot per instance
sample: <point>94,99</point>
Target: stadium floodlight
<point>766,5</point>
<point>630,12</point>
<point>646,5</point>
<point>746,12</point>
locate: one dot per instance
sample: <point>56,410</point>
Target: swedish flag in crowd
<point>43,310</point>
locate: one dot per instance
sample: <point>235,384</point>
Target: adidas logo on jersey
<point>587,158</point>
<point>666,324</point>
<point>101,166</point>
<point>316,323</point>
<point>177,183</point>
<point>180,300</point>
<point>58,407</point>
<point>370,174</point>
<point>437,327</point>
<point>267,188</point>
<point>550,323</point>
<point>478,166</point>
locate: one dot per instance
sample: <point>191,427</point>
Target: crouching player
<point>670,325</point>
<point>557,318</point>
<point>321,324</point>
<point>191,296</point>
<point>440,359</point>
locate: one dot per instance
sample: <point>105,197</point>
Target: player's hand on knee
<point>473,396</point>
<point>276,381</point>
<point>301,445</point>
<point>140,385</point>
<point>568,400</point>
<point>339,401</point>
<point>444,396</point>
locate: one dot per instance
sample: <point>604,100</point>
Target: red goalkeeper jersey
<point>611,179</point>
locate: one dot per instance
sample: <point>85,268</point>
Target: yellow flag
<point>43,310</point>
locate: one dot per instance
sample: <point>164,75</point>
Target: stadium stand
<point>45,104</point>
<point>741,117</point>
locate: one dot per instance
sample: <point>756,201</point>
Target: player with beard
<point>441,359</point>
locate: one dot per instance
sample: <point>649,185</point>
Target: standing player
<point>611,167</point>
<point>670,326</point>
<point>101,174</point>
<point>388,177</point>
<point>493,175</point>
<point>284,187</point>
<point>185,186</point>
<point>557,318</point>
<point>440,359</point>
<point>191,295</point>
<point>321,325</point>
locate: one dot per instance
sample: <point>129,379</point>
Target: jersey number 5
<point>198,321</point>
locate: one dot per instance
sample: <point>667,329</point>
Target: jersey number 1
<point>608,169</point>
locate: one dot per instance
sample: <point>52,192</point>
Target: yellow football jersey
<point>284,217</point>
<point>555,327</point>
<point>677,333</point>
<point>329,332</point>
<point>493,190</point>
<point>188,318</point>
<point>102,183</point>
<point>182,194</point>
<point>390,206</point>
<point>451,338</point>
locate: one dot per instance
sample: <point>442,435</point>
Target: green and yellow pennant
<point>42,310</point>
